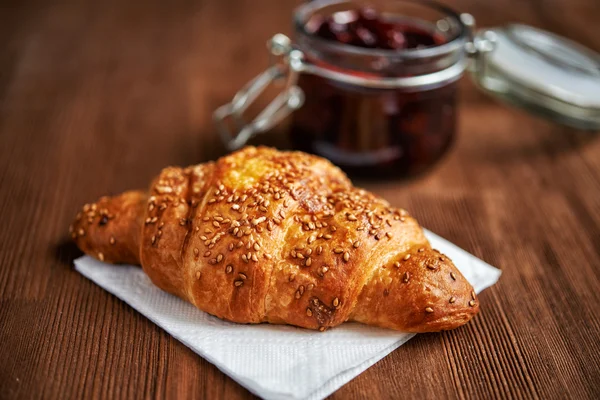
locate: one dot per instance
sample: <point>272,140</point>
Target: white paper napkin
<point>273,362</point>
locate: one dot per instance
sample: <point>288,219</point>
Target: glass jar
<point>372,128</point>
<point>392,112</point>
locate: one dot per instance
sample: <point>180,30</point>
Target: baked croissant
<point>281,237</point>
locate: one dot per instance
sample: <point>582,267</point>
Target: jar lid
<point>540,72</point>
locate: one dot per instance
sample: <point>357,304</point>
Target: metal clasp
<point>290,98</point>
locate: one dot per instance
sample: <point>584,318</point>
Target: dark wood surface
<point>96,97</point>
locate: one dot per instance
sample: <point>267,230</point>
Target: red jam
<point>373,132</point>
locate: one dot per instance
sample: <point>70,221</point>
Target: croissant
<point>281,237</point>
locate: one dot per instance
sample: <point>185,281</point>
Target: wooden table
<point>96,97</point>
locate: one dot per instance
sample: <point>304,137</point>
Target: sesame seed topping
<point>153,239</point>
<point>336,302</point>
<point>351,217</point>
<point>452,300</point>
<point>101,256</point>
<point>207,254</point>
<point>308,262</point>
<point>242,276</point>
<point>356,244</point>
<point>112,240</point>
<point>327,236</point>
<point>472,303</point>
<point>422,249</point>
<point>319,250</point>
<point>473,294</point>
<point>254,257</point>
<point>338,250</point>
<point>238,283</point>
<point>321,329</point>
<point>406,277</point>
<point>429,310</point>
<point>216,224</point>
<point>432,267</point>
<point>219,257</point>
<point>196,252</point>
<point>406,257</point>
<point>397,264</point>
<point>453,276</point>
<point>346,256</point>
<point>229,269</point>
<point>309,312</point>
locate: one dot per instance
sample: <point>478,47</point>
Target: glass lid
<point>541,72</point>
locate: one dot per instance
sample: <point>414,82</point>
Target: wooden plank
<point>96,97</point>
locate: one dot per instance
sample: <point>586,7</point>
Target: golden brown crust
<point>283,237</point>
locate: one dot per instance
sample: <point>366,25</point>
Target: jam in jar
<point>390,108</point>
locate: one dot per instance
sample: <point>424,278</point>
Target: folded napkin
<point>271,361</point>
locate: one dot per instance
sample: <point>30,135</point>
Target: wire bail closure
<point>287,62</point>
<point>283,62</point>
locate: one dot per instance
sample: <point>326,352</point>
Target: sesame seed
<point>207,254</point>
<point>346,256</point>
<point>432,267</point>
<point>308,262</point>
<point>238,283</point>
<point>452,300</point>
<point>472,303</point>
<point>473,295</point>
<point>101,256</point>
<point>229,269</point>
<point>309,312</point>
<point>216,224</point>
<point>378,236</point>
<point>319,250</point>
<point>242,276</point>
<point>336,302</point>
<point>112,240</point>
<point>422,249</point>
<point>219,257</point>
<point>389,235</point>
<point>338,250</point>
<point>327,236</point>
<point>196,252</point>
<point>81,232</point>
<point>351,217</point>
<point>406,257</point>
<point>254,257</point>
<point>198,274</point>
<point>292,277</point>
<point>182,221</point>
<point>397,264</point>
<point>453,276</point>
<point>406,277</point>
<point>356,244</point>
<point>244,258</point>
<point>311,239</point>
<point>153,239</point>
<point>429,310</point>
<point>321,329</point>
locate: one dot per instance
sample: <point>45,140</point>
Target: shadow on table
<point>65,252</point>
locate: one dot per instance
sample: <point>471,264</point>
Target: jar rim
<point>302,13</point>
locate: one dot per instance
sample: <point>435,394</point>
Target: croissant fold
<point>280,237</point>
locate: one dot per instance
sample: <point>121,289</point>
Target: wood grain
<point>96,97</point>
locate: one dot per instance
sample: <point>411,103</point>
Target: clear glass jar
<point>380,112</point>
<point>378,131</point>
